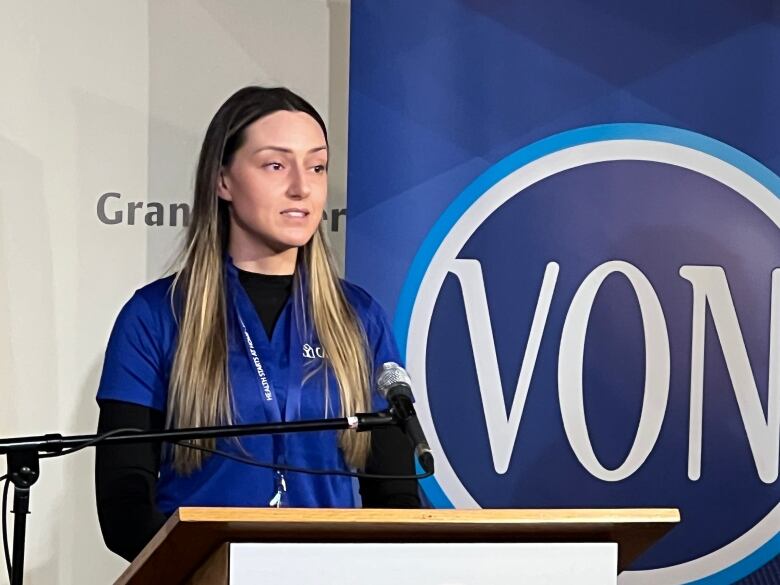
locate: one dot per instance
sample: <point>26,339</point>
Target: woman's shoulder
<point>368,309</point>
<point>157,291</point>
<point>360,299</point>
<point>152,301</point>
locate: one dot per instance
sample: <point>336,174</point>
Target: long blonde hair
<point>199,388</point>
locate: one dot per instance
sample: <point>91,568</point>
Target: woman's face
<point>276,184</point>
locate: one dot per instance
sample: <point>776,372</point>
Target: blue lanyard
<point>271,404</point>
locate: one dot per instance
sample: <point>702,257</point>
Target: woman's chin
<point>283,245</point>
<point>296,238</point>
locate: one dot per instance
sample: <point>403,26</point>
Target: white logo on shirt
<point>310,352</point>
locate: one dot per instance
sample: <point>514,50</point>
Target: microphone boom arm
<point>23,455</point>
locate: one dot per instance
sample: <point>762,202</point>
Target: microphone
<point>394,384</point>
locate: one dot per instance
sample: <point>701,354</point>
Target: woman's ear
<point>223,189</point>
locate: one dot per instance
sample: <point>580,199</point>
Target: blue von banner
<point>571,211</point>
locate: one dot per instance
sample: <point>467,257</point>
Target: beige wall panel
<point>113,96</point>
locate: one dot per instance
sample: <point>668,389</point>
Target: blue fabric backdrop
<point>447,98</point>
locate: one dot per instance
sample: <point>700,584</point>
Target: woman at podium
<point>256,326</point>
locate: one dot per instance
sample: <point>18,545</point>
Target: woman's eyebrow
<point>288,150</point>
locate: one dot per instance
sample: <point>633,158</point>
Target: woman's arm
<point>126,479</point>
<point>392,453</point>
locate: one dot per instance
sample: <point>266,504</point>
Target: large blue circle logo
<point>595,322</point>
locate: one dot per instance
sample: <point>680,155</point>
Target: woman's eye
<point>319,169</point>
<point>274,166</point>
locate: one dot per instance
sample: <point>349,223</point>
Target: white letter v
<point>502,429</point>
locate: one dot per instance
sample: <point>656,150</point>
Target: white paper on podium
<point>423,564</point>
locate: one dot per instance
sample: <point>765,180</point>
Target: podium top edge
<point>459,516</point>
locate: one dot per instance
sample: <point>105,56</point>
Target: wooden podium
<point>193,547</point>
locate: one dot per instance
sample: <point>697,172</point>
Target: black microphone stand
<point>23,456</point>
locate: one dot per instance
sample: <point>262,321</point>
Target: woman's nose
<point>299,184</point>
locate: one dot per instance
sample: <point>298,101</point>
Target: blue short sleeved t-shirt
<point>137,366</point>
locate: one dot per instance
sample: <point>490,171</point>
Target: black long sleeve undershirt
<point>126,480</point>
<point>126,475</point>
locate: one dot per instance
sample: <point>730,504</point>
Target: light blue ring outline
<point>530,153</point>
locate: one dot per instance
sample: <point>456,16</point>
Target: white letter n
<point>710,287</point>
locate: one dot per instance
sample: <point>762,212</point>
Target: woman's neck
<point>266,261</point>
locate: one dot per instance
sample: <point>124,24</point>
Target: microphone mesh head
<point>388,375</point>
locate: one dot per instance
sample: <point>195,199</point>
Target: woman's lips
<point>295,213</point>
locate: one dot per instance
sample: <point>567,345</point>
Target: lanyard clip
<point>281,491</point>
